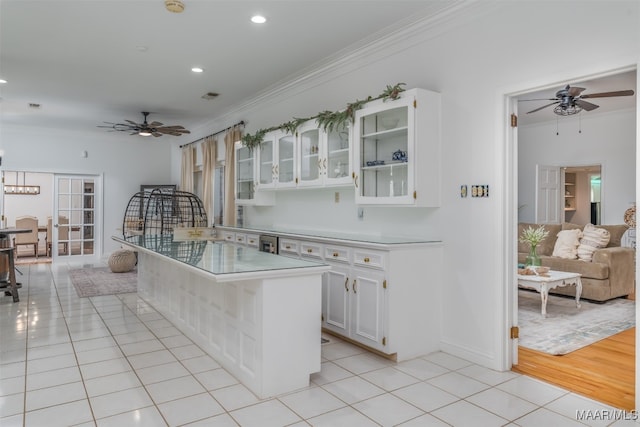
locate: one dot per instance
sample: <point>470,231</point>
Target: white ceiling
<point>86,62</point>
<point>615,82</point>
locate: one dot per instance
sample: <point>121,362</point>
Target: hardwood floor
<point>604,371</point>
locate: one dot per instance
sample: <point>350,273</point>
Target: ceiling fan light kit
<point>145,129</point>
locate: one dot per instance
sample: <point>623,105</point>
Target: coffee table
<point>554,280</point>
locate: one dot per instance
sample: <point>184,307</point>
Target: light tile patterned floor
<point>115,361</point>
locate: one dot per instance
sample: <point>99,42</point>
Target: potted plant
<point>533,236</point>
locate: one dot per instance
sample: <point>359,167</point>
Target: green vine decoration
<point>327,120</point>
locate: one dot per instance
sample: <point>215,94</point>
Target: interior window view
<point>269,214</point>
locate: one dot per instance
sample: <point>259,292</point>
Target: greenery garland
<point>327,120</point>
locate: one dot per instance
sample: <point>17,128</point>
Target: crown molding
<point>439,17</point>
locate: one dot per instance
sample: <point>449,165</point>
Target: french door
<point>76,221</point>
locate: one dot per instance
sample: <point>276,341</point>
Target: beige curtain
<point>188,166</point>
<point>208,174</point>
<point>229,215</point>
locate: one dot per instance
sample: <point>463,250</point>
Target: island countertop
<point>224,261</point>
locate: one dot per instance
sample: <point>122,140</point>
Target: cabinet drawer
<point>289,247</point>
<point>312,250</point>
<point>240,238</point>
<point>252,240</point>
<point>229,236</point>
<point>337,253</point>
<point>369,258</point>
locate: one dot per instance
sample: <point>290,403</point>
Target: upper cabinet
<point>324,158</point>
<point>397,151</point>
<point>246,173</point>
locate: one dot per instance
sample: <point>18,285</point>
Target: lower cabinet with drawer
<point>385,297</point>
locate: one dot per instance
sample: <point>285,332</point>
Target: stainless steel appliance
<point>268,243</point>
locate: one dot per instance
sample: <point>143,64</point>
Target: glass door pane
<point>338,153</point>
<point>383,153</point>
<point>244,174</point>
<point>285,159</point>
<point>309,155</point>
<point>74,222</point>
<point>266,162</point>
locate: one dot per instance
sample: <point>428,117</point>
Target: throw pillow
<point>567,244</point>
<point>592,238</point>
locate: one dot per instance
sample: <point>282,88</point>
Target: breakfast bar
<point>257,314</point>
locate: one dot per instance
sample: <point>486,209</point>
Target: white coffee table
<point>544,284</point>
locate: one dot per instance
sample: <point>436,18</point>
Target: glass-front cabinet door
<point>337,161</point>
<point>310,155</point>
<point>266,164</point>
<point>398,151</point>
<point>245,171</point>
<point>285,167</point>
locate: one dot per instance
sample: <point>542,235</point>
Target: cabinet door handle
<point>287,247</point>
<point>335,254</point>
<point>324,163</point>
<point>355,181</point>
<point>309,250</point>
<point>366,259</point>
<point>346,283</point>
<point>355,290</point>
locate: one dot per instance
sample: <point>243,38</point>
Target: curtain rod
<point>240,123</point>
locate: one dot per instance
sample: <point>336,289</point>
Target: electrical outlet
<point>479,191</point>
<point>337,197</point>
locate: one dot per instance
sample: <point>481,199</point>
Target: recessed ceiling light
<point>258,19</point>
<point>197,69</point>
<point>2,81</point>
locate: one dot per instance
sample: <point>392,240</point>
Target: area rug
<point>91,282</point>
<point>567,328</point>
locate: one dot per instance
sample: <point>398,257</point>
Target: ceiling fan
<point>570,100</point>
<point>146,129</point>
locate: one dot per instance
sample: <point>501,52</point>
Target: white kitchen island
<point>257,314</point>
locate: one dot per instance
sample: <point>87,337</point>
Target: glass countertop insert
<point>216,257</point>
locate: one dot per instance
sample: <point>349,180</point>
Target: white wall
<point>40,205</point>
<point>606,139</point>
<point>490,49</point>
<point>125,162</point>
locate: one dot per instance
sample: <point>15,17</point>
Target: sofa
<point>610,274</point>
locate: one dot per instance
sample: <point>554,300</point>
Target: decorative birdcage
<point>161,210</point>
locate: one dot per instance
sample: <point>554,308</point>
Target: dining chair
<point>63,234</point>
<point>27,239</point>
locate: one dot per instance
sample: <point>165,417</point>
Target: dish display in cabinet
<point>397,150</point>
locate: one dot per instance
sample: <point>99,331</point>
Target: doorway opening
<point>567,142</point>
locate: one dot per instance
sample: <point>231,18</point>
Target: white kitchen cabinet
<point>335,302</point>
<point>385,296</point>
<point>397,151</point>
<point>324,158</point>
<point>368,307</point>
<point>246,181</point>
<point>286,151</point>
<point>265,159</point>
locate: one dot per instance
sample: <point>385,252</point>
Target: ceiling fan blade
<point>574,91</point>
<point>156,134</point>
<point>543,107</point>
<point>607,94</point>
<point>173,127</point>
<point>539,99</point>
<point>133,123</point>
<point>155,124</point>
<point>586,105</point>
